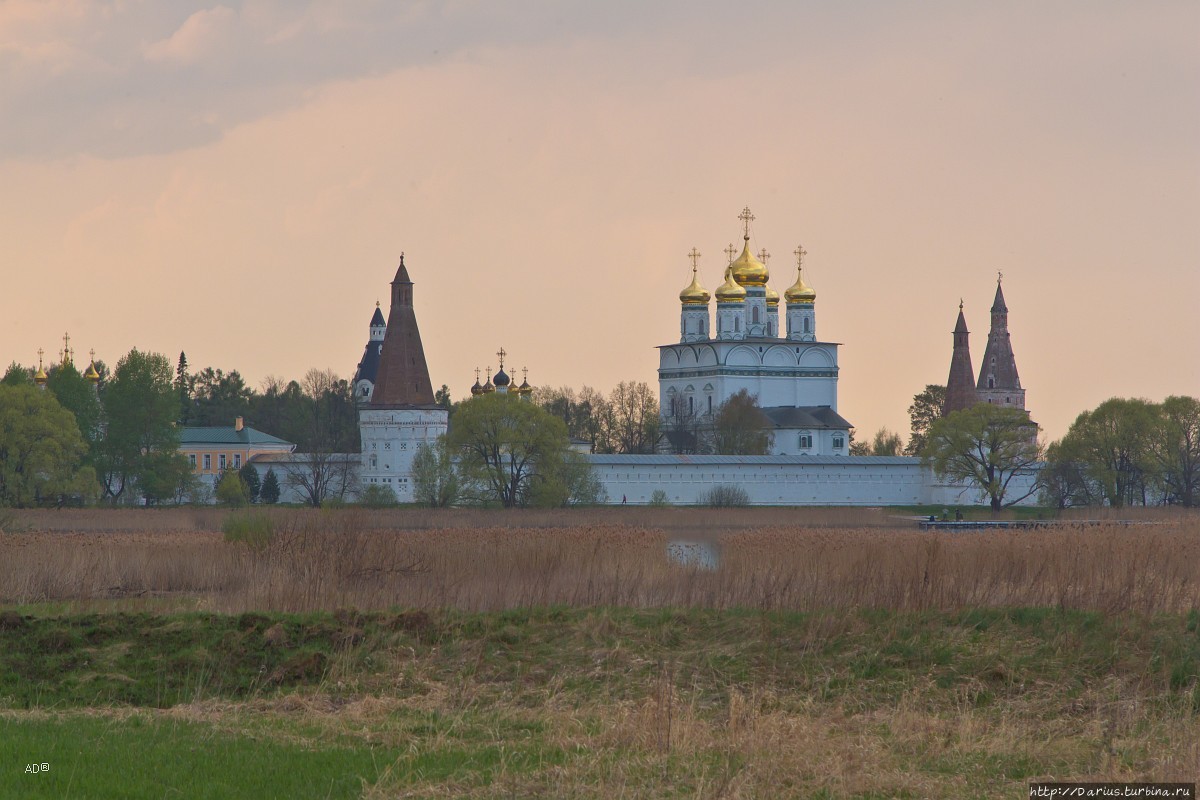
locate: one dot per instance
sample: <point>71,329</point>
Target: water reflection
<point>692,553</point>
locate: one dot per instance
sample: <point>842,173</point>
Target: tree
<point>987,446</point>
<point>76,394</point>
<point>320,476</point>
<point>740,427</point>
<point>1175,447</point>
<point>585,413</point>
<point>217,397</point>
<point>1111,446</point>
<point>16,375</point>
<point>232,490</point>
<point>435,481</point>
<point>633,418</point>
<point>140,407</point>
<point>925,410</point>
<point>41,450</point>
<point>884,443</point>
<point>505,447</point>
<point>442,398</point>
<point>270,487</point>
<point>250,477</point>
<point>183,386</point>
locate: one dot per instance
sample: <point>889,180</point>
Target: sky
<point>238,181</point>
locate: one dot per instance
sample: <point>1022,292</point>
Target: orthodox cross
<point>729,251</point>
<point>500,355</point>
<point>92,353</point>
<point>40,353</point>
<point>477,374</point>
<point>746,217</point>
<point>489,374</point>
<point>525,374</point>
<point>999,276</point>
<point>694,256</point>
<point>799,253</point>
<point>763,255</point>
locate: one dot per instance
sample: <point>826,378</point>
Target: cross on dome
<point>799,253</point>
<point>729,251</point>
<point>694,256</point>
<point>746,217</point>
<point>763,255</point>
<point>500,354</point>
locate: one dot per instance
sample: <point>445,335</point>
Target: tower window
<point>807,325</point>
<point>710,404</point>
<point>754,313</point>
<point>991,382</point>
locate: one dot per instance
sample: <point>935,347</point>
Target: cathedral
<point>792,373</point>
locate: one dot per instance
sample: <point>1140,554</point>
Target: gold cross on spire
<point>41,352</point>
<point>525,374</point>
<point>489,374</point>
<point>92,353</point>
<point>746,217</point>
<point>694,256</point>
<point>764,256</point>
<point>799,253</point>
<point>477,374</point>
<point>729,251</point>
<point>500,354</point>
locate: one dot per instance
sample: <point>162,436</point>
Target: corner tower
<point>368,367</point>
<point>960,386</point>
<point>401,414</point>
<point>999,383</point>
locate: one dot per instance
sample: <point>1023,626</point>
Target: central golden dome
<point>730,291</point>
<point>694,294</point>
<point>800,292</point>
<point>748,270</point>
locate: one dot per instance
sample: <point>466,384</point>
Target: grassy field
<point>552,654</point>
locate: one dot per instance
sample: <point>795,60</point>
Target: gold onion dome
<point>800,292</point>
<point>91,373</point>
<point>730,291</point>
<point>772,297</point>
<point>748,270</point>
<point>524,388</point>
<point>476,389</point>
<point>694,294</point>
<point>40,378</point>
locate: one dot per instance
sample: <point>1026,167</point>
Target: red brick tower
<point>960,386</point>
<point>403,376</point>
<point>999,383</point>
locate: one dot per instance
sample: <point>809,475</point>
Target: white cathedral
<point>793,375</point>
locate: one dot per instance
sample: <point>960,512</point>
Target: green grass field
<point>593,703</point>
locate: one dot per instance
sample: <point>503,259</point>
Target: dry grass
<point>476,560</point>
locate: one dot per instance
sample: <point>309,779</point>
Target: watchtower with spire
<point>368,366</point>
<point>960,385</point>
<point>999,383</point>
<point>401,414</point>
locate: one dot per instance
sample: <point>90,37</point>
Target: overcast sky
<point>238,181</point>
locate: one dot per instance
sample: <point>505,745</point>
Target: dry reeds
<point>373,560</point>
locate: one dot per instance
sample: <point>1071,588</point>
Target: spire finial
<point>694,256</point>
<point>500,354</point>
<point>729,251</point>
<point>764,256</point>
<point>41,352</point>
<point>377,304</point>
<point>799,253</point>
<point>999,277</point>
<point>525,374</point>
<point>92,353</point>
<point>960,304</point>
<point>746,217</point>
<point>489,374</point>
<point>477,374</point>
<point>401,258</point>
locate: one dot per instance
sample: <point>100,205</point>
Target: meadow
<point>417,653</point>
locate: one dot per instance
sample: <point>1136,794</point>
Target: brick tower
<point>999,383</point>
<point>960,386</point>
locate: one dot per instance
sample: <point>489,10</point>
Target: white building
<point>793,375</point>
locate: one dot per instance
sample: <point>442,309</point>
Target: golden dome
<point>730,291</point>
<point>91,373</point>
<point>40,378</point>
<point>772,297</point>
<point>800,292</point>
<point>694,294</point>
<point>748,270</point>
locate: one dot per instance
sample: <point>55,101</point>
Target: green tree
<point>41,450</point>
<point>76,394</point>
<point>1111,446</point>
<point>184,384</point>
<point>585,413</point>
<point>505,447</point>
<point>986,446</point>
<point>270,487</point>
<point>740,427</point>
<point>435,480</point>
<point>1175,446</point>
<point>232,490</point>
<point>250,477</point>
<point>883,443</point>
<point>16,375</point>
<point>569,482</point>
<point>217,397</point>
<point>378,495</point>
<point>140,407</point>
<point>925,410</point>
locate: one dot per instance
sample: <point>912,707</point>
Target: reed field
<point>470,653</point>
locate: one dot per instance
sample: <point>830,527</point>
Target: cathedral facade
<point>793,375</point>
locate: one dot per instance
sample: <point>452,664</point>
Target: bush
<point>378,495</point>
<point>232,491</point>
<point>658,499</point>
<point>254,528</point>
<point>725,497</point>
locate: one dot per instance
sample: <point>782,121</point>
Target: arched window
<point>691,405</point>
<point>991,382</point>
<point>807,325</point>
<point>737,324</point>
<point>754,314</point>
<point>710,404</point>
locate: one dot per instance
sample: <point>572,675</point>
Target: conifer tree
<point>270,488</point>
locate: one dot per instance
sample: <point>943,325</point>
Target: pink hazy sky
<point>237,181</point>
